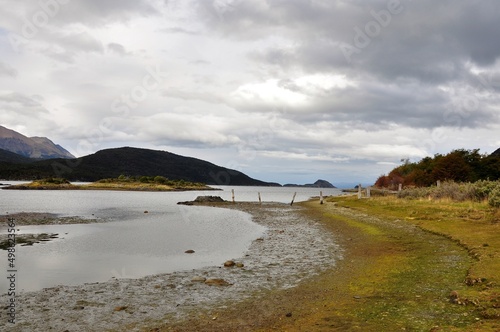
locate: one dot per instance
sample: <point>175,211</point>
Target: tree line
<point>459,165</point>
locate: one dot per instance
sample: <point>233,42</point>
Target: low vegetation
<point>133,183</point>
<point>152,183</point>
<point>468,214</point>
<point>479,191</point>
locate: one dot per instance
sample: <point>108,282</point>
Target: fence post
<point>400,187</point>
<point>368,191</point>
<point>232,194</point>
<point>260,201</point>
<point>293,198</point>
<point>438,183</point>
<point>359,191</point>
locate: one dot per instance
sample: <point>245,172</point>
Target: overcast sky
<point>283,90</point>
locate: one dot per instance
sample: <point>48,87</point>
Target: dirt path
<point>394,277</point>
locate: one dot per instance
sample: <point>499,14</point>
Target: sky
<point>285,91</point>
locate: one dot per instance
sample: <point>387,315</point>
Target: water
<point>132,244</point>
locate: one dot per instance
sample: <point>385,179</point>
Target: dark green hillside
<point>111,163</point>
<point>11,157</point>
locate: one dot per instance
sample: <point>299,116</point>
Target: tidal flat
<point>293,249</point>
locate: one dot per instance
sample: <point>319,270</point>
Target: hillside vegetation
<point>458,165</point>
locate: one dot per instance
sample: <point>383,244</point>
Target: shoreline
<point>279,260</point>
<point>394,276</point>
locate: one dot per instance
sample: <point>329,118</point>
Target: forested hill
<point>111,163</point>
<point>458,165</point>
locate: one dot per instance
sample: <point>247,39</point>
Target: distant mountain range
<point>25,158</point>
<point>31,147</point>
<point>317,184</point>
<point>111,163</point>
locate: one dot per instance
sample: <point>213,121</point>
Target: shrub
<point>484,188</point>
<point>160,179</point>
<point>494,197</point>
<point>416,193</point>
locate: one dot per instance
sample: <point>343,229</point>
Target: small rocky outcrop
<point>204,199</point>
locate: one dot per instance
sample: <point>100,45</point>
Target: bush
<point>53,181</point>
<point>416,193</point>
<point>494,197</point>
<point>484,188</point>
<point>160,179</point>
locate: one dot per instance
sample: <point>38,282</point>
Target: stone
<point>190,251</point>
<point>198,279</point>
<point>216,282</point>
<point>239,264</point>
<point>229,263</point>
<point>209,199</point>
<point>120,308</point>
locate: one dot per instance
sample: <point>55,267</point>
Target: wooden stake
<point>400,187</point>
<point>320,197</point>
<point>293,198</point>
<point>232,194</point>
<point>260,201</point>
<point>359,191</point>
<point>368,191</point>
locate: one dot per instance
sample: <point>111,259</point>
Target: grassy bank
<point>409,265</point>
<point>144,183</point>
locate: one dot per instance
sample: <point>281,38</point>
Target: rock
<point>216,282</point>
<point>120,308</point>
<point>190,251</point>
<point>198,279</point>
<point>239,264</point>
<point>229,263</point>
<point>209,199</point>
<point>146,211</point>
<point>289,314</point>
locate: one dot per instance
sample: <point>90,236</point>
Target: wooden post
<point>438,183</point>
<point>293,198</point>
<point>232,194</point>
<point>260,201</point>
<point>320,197</point>
<point>368,191</point>
<point>400,187</point>
<point>359,191</point>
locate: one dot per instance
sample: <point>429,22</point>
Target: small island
<point>125,183</point>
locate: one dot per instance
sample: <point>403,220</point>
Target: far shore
<point>111,185</point>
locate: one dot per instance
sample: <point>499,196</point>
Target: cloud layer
<point>285,91</point>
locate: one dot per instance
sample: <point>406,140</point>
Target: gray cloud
<point>7,70</point>
<point>117,48</point>
<point>261,84</point>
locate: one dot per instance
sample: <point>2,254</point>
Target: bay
<point>131,243</point>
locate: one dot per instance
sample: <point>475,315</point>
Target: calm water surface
<point>131,243</point>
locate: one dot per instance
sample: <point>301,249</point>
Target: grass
<point>121,183</point>
<point>473,225</point>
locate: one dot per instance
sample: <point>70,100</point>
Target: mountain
<point>31,147</point>
<point>317,184</point>
<point>111,163</point>
<point>496,153</point>
<point>11,157</point>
